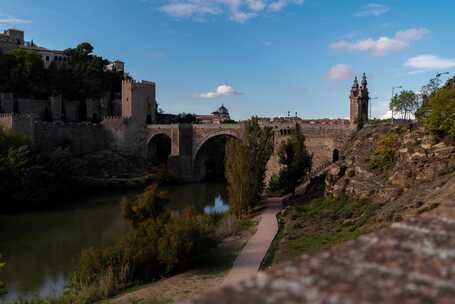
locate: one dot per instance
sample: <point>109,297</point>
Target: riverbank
<point>210,274</point>
<point>42,248</point>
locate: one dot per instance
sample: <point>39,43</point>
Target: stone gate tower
<point>359,103</point>
<point>139,101</point>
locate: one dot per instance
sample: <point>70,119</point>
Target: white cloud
<point>237,10</point>
<point>383,45</point>
<point>373,9</point>
<point>340,72</point>
<point>189,9</point>
<point>430,62</point>
<point>13,20</point>
<point>221,91</point>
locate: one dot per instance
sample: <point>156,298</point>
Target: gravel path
<point>250,258</point>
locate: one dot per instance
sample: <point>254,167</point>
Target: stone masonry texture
<point>410,262</point>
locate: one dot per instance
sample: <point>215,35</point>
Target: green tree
<point>259,142</point>
<point>239,176</point>
<point>438,113</point>
<point>431,87</point>
<point>246,164</point>
<point>406,103</point>
<point>295,159</point>
<point>14,158</point>
<point>2,285</point>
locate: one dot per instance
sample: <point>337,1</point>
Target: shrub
<point>149,204</point>
<point>384,155</point>
<point>159,242</point>
<point>183,239</point>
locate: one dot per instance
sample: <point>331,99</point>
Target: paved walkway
<point>250,258</point>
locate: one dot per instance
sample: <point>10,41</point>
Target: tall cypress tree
<point>295,159</point>
<point>246,165</point>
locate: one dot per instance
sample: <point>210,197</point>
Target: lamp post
<point>440,74</point>
<point>393,95</point>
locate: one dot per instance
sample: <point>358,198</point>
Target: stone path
<point>250,258</point>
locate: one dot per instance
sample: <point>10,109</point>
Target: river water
<point>41,248</point>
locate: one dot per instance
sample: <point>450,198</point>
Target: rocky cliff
<point>400,167</point>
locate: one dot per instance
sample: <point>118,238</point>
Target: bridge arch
<point>159,148</point>
<point>208,156</point>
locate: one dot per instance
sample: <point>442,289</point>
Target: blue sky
<point>258,57</point>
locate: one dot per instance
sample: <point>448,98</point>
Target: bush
<point>160,242</point>
<point>183,239</point>
<point>150,204</point>
<point>385,153</point>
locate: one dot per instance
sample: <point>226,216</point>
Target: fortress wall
<point>23,123</point>
<point>34,107</point>
<point>6,103</point>
<point>320,139</point>
<point>71,110</point>
<point>78,137</point>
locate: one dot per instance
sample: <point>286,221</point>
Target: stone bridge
<point>194,152</point>
<point>191,150</point>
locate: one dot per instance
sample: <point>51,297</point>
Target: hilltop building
<point>220,116</point>
<point>12,39</point>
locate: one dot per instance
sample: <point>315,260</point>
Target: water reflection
<point>42,248</point>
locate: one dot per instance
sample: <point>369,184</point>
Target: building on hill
<point>116,66</point>
<point>11,39</point>
<point>220,116</point>
<point>48,56</point>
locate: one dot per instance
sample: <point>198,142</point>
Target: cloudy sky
<point>258,57</point>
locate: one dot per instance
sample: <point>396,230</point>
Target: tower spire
<point>364,81</point>
<point>355,85</point>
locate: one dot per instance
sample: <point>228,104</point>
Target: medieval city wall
<point>35,107</point>
<point>80,138</point>
<point>322,138</point>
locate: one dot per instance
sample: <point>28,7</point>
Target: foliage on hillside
<point>385,153</point>
<point>23,73</point>
<point>14,158</point>
<point>28,179</point>
<point>2,284</point>
<point>246,166</point>
<point>310,227</point>
<point>437,114</point>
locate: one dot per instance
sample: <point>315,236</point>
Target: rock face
<point>420,168</point>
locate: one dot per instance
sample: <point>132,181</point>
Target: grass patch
<point>385,153</point>
<point>309,228</point>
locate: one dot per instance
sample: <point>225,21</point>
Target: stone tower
<point>359,103</point>
<point>139,101</point>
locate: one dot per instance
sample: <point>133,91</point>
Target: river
<point>41,248</point>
